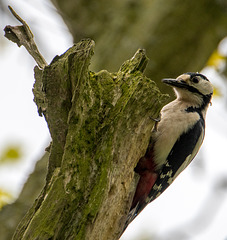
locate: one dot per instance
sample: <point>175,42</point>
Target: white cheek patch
<point>204,87</point>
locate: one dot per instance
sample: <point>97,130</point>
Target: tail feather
<point>131,216</point>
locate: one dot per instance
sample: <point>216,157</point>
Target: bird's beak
<point>175,82</point>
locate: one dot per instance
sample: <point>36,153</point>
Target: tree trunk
<point>100,125</point>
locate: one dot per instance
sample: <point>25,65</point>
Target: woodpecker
<point>175,140</point>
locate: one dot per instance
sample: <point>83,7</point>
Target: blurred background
<point>179,36</point>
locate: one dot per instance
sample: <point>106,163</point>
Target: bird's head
<point>192,87</point>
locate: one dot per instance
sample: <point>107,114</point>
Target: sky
<point>194,207</point>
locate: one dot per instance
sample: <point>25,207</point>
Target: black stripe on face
<point>185,86</point>
<point>206,101</point>
<point>181,84</point>
<point>193,90</point>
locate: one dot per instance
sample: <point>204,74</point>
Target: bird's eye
<point>195,80</point>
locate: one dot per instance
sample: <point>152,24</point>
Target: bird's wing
<point>182,153</point>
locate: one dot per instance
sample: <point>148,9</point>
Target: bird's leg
<point>156,120</point>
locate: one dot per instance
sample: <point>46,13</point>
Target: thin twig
<point>22,35</point>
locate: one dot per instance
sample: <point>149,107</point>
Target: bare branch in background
<point>22,35</point>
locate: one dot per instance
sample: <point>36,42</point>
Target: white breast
<point>174,122</point>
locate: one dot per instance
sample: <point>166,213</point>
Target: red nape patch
<point>145,184</point>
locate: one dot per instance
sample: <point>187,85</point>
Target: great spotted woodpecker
<point>175,140</point>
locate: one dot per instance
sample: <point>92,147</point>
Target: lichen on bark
<point>100,124</point>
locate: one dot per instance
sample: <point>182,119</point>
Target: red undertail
<point>146,169</point>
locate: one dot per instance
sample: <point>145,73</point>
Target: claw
<point>156,120</point>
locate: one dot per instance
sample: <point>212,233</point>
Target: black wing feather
<point>183,147</point>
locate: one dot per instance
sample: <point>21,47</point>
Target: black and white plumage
<point>175,140</point>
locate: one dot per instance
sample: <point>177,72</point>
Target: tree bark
<point>100,125</point>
